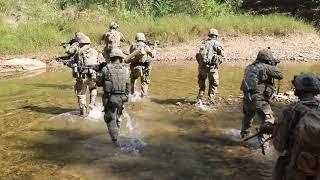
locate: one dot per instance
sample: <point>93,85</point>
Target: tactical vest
<point>116,79</point>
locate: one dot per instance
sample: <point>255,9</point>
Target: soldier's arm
<point>274,72</point>
<point>122,38</point>
<point>149,51</point>
<point>100,77</point>
<point>281,131</point>
<point>127,82</point>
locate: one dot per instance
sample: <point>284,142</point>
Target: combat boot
<point>83,111</point>
<point>244,133</point>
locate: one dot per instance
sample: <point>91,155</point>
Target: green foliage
<point>44,24</point>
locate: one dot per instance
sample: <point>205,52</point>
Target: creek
<point>164,136</point>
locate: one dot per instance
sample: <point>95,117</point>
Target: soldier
<point>257,87</point>
<point>140,66</point>
<point>114,78</point>
<point>297,133</point>
<point>112,39</point>
<point>85,77</point>
<point>209,58</point>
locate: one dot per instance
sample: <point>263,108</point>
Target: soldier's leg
<point>213,76</point>
<point>80,90</point>
<point>145,81</point>
<point>110,118</point>
<point>249,113</point>
<point>134,75</point>
<point>202,76</point>
<point>264,112</point>
<point>93,93</point>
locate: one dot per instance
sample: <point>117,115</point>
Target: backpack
<point>112,40</point>
<point>118,78</point>
<point>250,79</point>
<point>207,53</point>
<point>307,129</point>
<point>306,136</point>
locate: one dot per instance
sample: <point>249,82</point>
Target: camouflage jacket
<point>113,39</point>
<point>265,86</point>
<point>142,58</point>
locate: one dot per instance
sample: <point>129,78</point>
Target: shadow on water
<point>56,86</point>
<point>48,109</point>
<point>172,101</point>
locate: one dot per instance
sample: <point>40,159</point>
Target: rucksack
<point>250,79</point>
<point>113,40</point>
<point>306,136</point>
<point>207,53</point>
<point>307,129</point>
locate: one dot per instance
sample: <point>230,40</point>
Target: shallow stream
<point>163,137</point>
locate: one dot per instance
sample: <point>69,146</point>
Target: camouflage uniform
<point>114,79</point>
<point>85,79</point>
<point>290,166</point>
<point>210,57</point>
<point>140,66</point>
<point>257,101</point>
<point>112,39</point>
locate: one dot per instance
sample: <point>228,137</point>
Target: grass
<point>47,26</point>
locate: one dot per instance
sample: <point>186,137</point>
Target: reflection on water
<point>165,136</point>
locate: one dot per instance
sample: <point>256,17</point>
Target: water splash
<point>95,115</point>
<point>131,139</point>
<point>136,97</point>
<point>203,106</point>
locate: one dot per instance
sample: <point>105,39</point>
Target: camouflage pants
<point>261,108</point>
<point>144,75</point>
<point>113,110</point>
<point>81,87</point>
<point>213,76</point>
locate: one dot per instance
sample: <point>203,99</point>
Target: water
<point>165,136</point>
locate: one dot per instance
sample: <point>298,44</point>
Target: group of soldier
<point>295,134</point>
<point>91,69</point>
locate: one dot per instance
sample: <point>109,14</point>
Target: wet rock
<point>179,104</point>
<point>21,64</point>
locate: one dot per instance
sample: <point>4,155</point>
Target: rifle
<point>96,67</point>
<point>152,43</point>
<point>63,44</point>
<point>64,59</point>
<point>259,135</point>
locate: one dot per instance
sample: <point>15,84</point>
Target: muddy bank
<point>294,48</point>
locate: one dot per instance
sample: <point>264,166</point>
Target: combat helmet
<point>265,56</point>
<point>83,39</point>
<point>117,53</point>
<point>140,37</point>
<point>306,83</point>
<point>213,32</point>
<point>113,25</point>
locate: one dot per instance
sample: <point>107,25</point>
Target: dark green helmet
<point>306,83</point>
<point>265,56</point>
